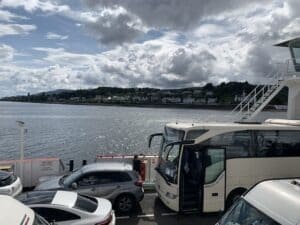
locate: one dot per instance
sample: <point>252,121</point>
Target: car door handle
<point>118,186</point>
<point>215,194</point>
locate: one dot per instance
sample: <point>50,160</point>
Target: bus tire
<point>234,196</point>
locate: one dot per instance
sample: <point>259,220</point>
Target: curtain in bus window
<point>278,143</point>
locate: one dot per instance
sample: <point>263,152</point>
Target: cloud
<point>176,15</point>
<point>32,5</point>
<point>6,52</point>
<point>150,47</point>
<point>173,14</point>
<point>7,16</point>
<point>113,29</point>
<point>156,63</point>
<point>54,36</point>
<point>16,29</point>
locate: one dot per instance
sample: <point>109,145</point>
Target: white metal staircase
<point>257,99</point>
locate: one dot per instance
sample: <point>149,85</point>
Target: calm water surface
<point>80,132</point>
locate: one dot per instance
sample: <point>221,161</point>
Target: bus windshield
<point>244,213</point>
<point>169,157</point>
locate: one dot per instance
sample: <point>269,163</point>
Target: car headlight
<point>5,191</point>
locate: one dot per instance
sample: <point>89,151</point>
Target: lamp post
<point>21,124</point>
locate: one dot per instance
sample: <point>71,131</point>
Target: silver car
<point>111,180</point>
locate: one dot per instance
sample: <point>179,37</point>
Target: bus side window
<point>237,143</point>
<point>278,143</point>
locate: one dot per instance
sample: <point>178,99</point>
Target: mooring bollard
<point>71,165</point>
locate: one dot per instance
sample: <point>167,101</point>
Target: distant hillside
<point>55,92</point>
<point>229,93</point>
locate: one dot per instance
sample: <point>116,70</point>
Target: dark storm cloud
<point>113,29</point>
<point>259,60</point>
<point>173,14</point>
<point>153,14</point>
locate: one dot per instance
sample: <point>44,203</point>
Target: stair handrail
<point>249,95</point>
<point>252,96</point>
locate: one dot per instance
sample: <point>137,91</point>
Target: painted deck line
<point>122,217</point>
<point>145,215</point>
<point>169,214</point>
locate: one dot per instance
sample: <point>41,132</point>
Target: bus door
<point>214,180</point>
<point>191,178</point>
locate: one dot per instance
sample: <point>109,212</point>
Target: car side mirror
<point>74,186</point>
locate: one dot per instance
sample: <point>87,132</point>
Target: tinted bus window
<point>237,143</point>
<point>278,143</point>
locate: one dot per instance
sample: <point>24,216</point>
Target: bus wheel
<point>234,196</point>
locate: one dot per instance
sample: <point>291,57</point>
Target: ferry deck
<point>151,211</point>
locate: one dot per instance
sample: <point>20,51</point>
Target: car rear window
<point>85,203</point>
<point>7,180</point>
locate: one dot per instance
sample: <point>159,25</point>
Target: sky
<point>71,44</point>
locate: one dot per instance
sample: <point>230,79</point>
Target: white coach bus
<point>206,167</point>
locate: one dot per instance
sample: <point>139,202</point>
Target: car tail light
<point>105,222</point>
<point>139,182</point>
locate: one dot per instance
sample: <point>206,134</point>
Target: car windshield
<point>69,179</point>
<point>85,203</point>
<point>242,213</point>
<point>38,220</point>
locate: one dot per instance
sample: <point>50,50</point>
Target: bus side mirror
<point>150,138</point>
<point>185,142</point>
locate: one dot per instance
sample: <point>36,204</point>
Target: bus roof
<point>268,124</point>
<point>279,199</point>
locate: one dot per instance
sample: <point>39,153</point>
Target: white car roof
<point>14,213</point>
<point>65,198</point>
<point>268,124</point>
<point>279,199</point>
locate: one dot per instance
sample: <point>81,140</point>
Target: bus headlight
<point>170,195</point>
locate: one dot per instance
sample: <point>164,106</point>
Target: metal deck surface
<point>152,211</point>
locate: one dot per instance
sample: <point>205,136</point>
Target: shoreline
<point>227,107</point>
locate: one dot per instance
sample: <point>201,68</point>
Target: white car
<point>66,208</point>
<point>15,213</point>
<point>273,202</point>
<point>10,184</point>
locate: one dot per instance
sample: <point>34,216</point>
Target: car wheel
<point>125,203</point>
